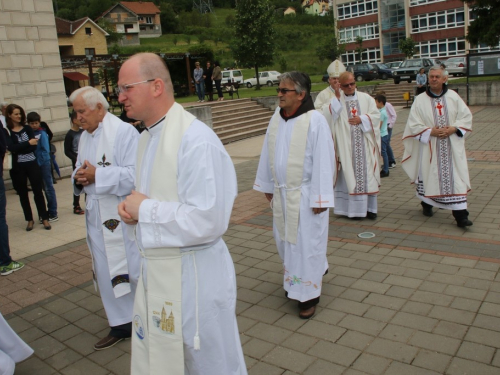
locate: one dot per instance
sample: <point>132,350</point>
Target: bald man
<point>184,313</point>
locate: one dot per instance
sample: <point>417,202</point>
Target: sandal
<point>78,210</point>
<point>29,227</point>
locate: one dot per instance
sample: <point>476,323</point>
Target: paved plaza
<point>421,297</point>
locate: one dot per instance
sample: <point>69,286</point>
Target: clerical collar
<point>351,94</point>
<point>432,95</point>
<point>156,123</point>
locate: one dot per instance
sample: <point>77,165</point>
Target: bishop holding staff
<point>434,156</point>
<point>296,171</point>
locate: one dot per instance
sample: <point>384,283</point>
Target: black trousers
<point>122,331</point>
<point>209,89</point>
<point>217,86</point>
<point>457,214</point>
<point>20,174</point>
<point>76,198</point>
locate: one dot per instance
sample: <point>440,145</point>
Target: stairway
<point>394,93</point>
<point>238,119</point>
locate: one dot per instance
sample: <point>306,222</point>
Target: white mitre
<point>335,69</point>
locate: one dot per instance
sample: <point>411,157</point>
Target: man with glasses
<point>335,69</point>
<point>295,173</point>
<point>355,123</point>
<point>184,313</point>
<point>105,173</point>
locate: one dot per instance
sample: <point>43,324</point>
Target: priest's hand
<point>269,197</point>
<point>336,89</point>
<point>86,174</point>
<point>131,205</point>
<point>126,218</point>
<point>318,210</point>
<point>356,120</point>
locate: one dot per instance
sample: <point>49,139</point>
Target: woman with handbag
<point>22,144</point>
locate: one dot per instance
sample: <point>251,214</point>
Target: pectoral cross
<point>353,111</point>
<point>439,106</point>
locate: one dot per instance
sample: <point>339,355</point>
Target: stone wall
<point>480,93</point>
<point>30,65</point>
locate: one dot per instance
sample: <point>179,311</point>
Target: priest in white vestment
<point>434,156</point>
<point>355,123</point>
<point>185,309</point>
<point>105,173</point>
<point>296,172</point>
<point>334,70</point>
<point>12,348</point>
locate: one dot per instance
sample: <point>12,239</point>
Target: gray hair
<point>91,96</point>
<point>301,81</point>
<point>439,67</point>
<point>4,104</point>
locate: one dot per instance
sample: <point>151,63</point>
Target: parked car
<point>409,69</point>
<point>234,75</point>
<point>383,70</point>
<point>456,66</point>
<point>265,78</point>
<point>393,64</point>
<point>363,72</point>
<point>325,77</point>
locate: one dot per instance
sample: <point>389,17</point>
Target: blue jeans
<point>5,258</point>
<point>48,187</point>
<point>200,90</point>
<point>385,142</point>
<point>390,154</point>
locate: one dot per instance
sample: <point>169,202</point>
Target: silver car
<point>456,66</point>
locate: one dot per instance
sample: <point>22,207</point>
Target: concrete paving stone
<point>432,298</point>
<point>488,322</point>
<point>50,323</point>
<point>493,297</point>
<point>343,281</point>
<point>478,284</point>
<point>241,306</point>
<point>84,366</point>
<point>389,268</point>
<point>375,276</point>
<point>475,273</point>
<point>239,268</point>
<point>496,359</point>
<point>82,343</point>
<point>34,365</point>
<point>417,308</point>
<point>33,312</point>
<point>332,290</point>
<point>244,235</point>
<point>288,359</point>
<point>263,314</point>
<point>321,330</point>
<point>488,266</point>
<point>120,365</point>
<point>252,273</point>
<point>250,362</point>
<point>18,324</point>
<point>445,268</point>
<point>451,329</point>
<point>406,254</point>
<point>459,262</point>
<point>414,321</point>
<point>355,340</point>
<point>396,333</point>
<point>437,343</point>
<point>354,295</point>
<point>66,333</point>
<point>348,272</point>
<point>91,303</point>
<point>465,304</point>
<point>247,282</point>
<point>257,348</point>
<point>418,264</point>
<point>292,322</point>
<point>241,228</point>
<point>63,359</point>
<point>461,366</point>
<point>273,277</point>
<point>329,316</point>
<point>371,364</point>
<point>350,307</point>
<point>483,336</point>
<point>250,296</point>
<point>273,302</point>
<point>262,368</point>
<point>321,367</point>
<point>60,306</point>
<point>400,292</point>
<point>380,251</point>
<point>398,368</point>
<point>432,360</point>
<point>430,286</point>
<point>391,261</point>
<point>379,313</point>
<point>245,324</point>
<point>476,352</point>
<point>31,334</point>
<point>335,353</point>
<point>364,325</point>
<point>299,342</point>
<point>270,266</point>
<point>258,254</point>
<point>393,350</point>
<point>394,303</point>
<point>369,257</point>
<point>269,333</point>
<point>416,274</point>
<point>447,279</point>
<point>372,286</point>
<point>460,291</point>
<point>452,315</point>
<point>403,281</point>
<point>46,347</point>
<point>495,287</point>
<point>339,261</point>
<point>75,314</point>
<point>362,264</point>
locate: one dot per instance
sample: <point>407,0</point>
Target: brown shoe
<point>107,342</point>
<point>307,313</point>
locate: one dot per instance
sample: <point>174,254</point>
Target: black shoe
<point>384,174</point>
<point>371,215</point>
<point>107,342</point>
<point>427,210</point>
<point>464,223</point>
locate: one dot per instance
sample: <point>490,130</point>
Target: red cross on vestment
<point>439,107</point>
<point>353,111</point>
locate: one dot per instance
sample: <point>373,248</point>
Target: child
<point>391,121</point>
<point>384,134</point>
<point>43,158</point>
<point>71,142</point>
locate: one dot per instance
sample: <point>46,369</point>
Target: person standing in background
<point>71,142</point>
<point>209,87</point>
<point>199,83</point>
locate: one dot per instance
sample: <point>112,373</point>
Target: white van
<point>234,75</point>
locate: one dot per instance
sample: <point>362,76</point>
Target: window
<point>484,48</point>
<point>414,3</point>
<point>357,9</point>
<point>367,31</point>
<point>393,15</point>
<point>390,42</point>
<point>371,55</point>
<point>149,19</point>
<point>437,20</point>
<point>89,51</point>
<point>88,31</point>
<point>442,47</point>
<point>128,27</point>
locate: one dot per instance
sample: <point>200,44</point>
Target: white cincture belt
<point>305,182</point>
<point>90,202</point>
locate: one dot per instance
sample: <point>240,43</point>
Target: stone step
<point>241,121</point>
<point>222,132</point>
<point>241,110</point>
<point>243,134</point>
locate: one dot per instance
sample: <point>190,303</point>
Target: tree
<point>168,19</point>
<point>486,26</point>
<point>408,47</point>
<point>359,49</point>
<point>330,49</point>
<point>254,29</point>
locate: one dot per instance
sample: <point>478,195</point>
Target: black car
<point>325,77</point>
<point>409,69</point>
<point>363,72</point>
<point>383,71</point>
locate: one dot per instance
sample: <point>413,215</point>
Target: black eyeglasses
<point>352,84</point>
<point>283,91</point>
